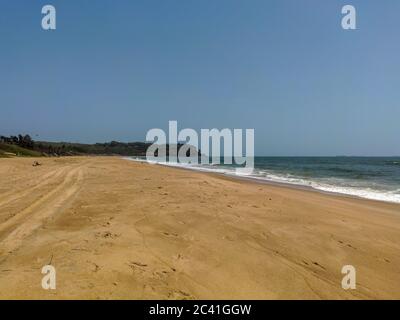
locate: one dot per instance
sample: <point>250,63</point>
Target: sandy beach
<point>118,229</point>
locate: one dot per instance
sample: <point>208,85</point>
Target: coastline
<point>271,183</point>
<point>128,230</point>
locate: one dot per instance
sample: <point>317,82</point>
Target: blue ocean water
<point>375,178</point>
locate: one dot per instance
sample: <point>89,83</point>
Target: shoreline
<point>268,182</point>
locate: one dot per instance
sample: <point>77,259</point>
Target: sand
<point>117,229</point>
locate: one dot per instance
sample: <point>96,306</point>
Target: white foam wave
<point>331,186</point>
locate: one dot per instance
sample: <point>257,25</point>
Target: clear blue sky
<point>114,69</point>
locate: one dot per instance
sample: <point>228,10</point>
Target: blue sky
<point>115,69</point>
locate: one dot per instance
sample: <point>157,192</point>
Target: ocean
<point>376,178</point>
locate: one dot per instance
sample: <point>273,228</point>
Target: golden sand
<point>116,229</point>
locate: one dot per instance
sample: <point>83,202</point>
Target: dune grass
<point>7,150</point>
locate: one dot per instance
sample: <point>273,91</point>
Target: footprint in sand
<point>305,262</point>
<point>264,235</point>
<point>96,266</point>
<point>161,275</point>
<point>318,265</point>
<point>180,295</point>
<point>137,264</point>
<point>229,238</point>
<point>170,234</point>
<point>107,235</point>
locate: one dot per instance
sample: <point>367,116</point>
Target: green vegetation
<point>109,148</point>
<point>7,150</point>
<point>23,145</point>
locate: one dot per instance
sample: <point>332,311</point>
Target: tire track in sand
<point>13,195</point>
<point>28,220</point>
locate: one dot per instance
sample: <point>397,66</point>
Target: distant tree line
<point>70,149</point>
<point>24,141</point>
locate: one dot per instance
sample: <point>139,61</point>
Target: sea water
<point>376,178</point>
